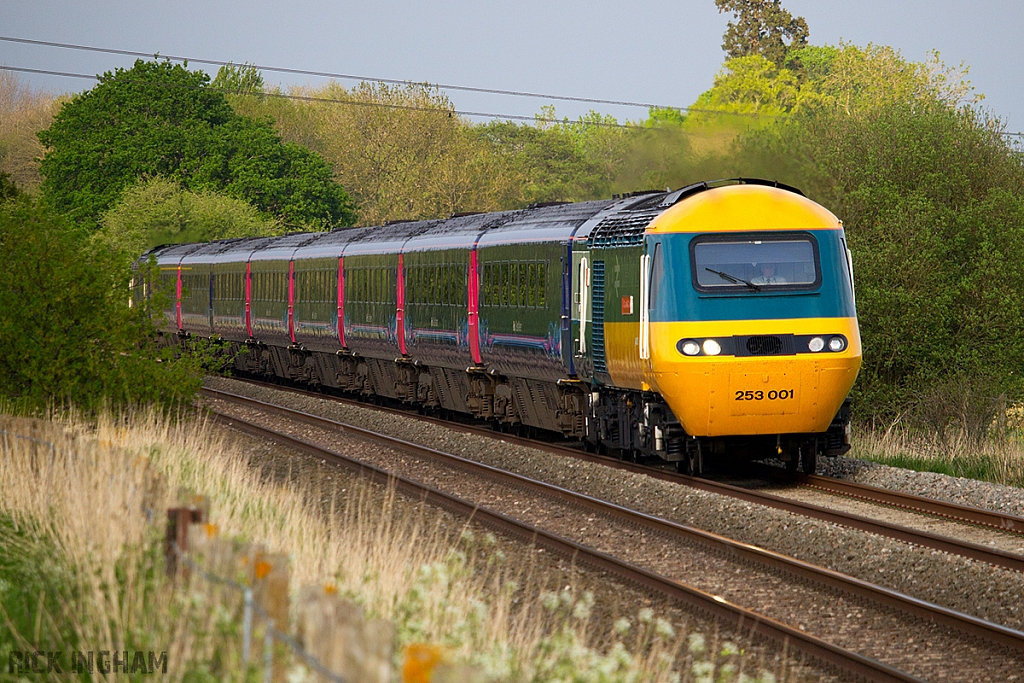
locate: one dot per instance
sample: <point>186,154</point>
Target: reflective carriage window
<point>786,261</point>
<point>542,282</point>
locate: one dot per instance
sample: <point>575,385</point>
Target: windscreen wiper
<point>733,279</point>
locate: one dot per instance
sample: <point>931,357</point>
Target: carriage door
<point>582,313</point>
<point>650,277</point>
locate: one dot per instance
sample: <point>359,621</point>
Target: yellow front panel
<point>729,395</point>
<point>622,354</point>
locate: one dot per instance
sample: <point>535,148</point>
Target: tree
<point>763,28</point>
<point>69,335</point>
<point>748,85</point>
<point>238,80</point>
<point>401,151</point>
<point>160,119</point>
<point>23,113</point>
<point>160,211</point>
<point>8,190</point>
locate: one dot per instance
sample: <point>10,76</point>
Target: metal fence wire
<point>270,634</point>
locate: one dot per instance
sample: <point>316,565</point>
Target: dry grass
<point>82,509</point>
<point>998,457</point>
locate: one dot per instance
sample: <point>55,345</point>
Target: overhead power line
<point>355,103</point>
<point>330,74</point>
<point>390,81</point>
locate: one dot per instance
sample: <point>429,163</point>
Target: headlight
<point>836,344</point>
<point>689,347</point>
<point>711,347</point>
<point>816,344</point>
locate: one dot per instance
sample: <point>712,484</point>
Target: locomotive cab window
<point>754,263</point>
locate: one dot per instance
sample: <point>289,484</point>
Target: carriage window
<point>542,281</point>
<point>532,285</point>
<point>753,263</point>
<point>496,285</point>
<point>509,284</point>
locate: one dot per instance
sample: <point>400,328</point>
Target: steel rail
<point>706,603</point>
<point>927,539</point>
<point>1003,521</point>
<point>966,514</point>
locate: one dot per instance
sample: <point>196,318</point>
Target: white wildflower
<point>297,674</point>
<point>664,629</point>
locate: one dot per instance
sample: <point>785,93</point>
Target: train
<point>713,323</point>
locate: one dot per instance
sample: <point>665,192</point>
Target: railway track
<point>999,521</point>
<point>930,623</point>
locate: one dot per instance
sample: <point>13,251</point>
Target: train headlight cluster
<point>695,347</point>
<point>835,344</point>
<point>763,345</point>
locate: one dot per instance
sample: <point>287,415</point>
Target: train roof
<point>282,248</point>
<point>387,239</point>
<point>166,253</point>
<point>208,252</point>
<point>556,223</point>
<point>534,224</point>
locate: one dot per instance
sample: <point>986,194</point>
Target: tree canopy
<point>244,79</point>
<point>762,27</point>
<point>160,119</point>
<point>159,211</point>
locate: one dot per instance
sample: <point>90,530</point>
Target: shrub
<point>160,211</point>
<point>69,334</point>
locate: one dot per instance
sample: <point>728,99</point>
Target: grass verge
<point>997,458</point>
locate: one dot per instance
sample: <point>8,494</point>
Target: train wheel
<point>695,462</point>
<point>808,460</point>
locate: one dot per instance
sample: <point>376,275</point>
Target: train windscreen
<point>733,262</point>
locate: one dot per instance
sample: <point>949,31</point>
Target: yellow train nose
<point>749,395</point>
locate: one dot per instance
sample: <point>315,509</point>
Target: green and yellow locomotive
<point>716,321</point>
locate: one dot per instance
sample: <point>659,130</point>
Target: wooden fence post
<point>336,632</point>
<point>176,537</point>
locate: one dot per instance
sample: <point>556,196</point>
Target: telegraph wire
<point>356,103</point>
<point>329,74</point>
<point>390,81</point>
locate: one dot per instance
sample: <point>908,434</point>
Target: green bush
<point>159,211</point>
<point>69,335</point>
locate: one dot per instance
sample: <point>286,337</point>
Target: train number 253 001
<point>773,395</point>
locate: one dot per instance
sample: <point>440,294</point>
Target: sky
<point>654,52</point>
